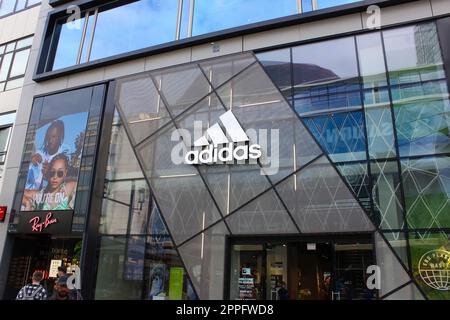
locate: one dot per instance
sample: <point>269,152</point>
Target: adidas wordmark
<point>216,147</point>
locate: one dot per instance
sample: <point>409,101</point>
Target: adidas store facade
<point>232,164</point>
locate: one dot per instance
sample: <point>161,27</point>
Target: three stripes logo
<point>217,146</point>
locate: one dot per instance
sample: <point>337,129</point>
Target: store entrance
<point>39,253</point>
<point>300,269</point>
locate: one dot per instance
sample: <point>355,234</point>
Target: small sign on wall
<point>45,222</point>
<point>3,211</point>
<point>54,265</point>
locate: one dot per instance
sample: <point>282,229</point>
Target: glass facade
<point>103,32</point>
<point>145,265</point>
<point>345,166</point>
<point>237,13</point>
<point>378,107</point>
<point>354,171</point>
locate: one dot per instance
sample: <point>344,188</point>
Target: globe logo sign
<point>434,269</point>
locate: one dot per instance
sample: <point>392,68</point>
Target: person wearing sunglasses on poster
<point>40,161</point>
<point>59,193</point>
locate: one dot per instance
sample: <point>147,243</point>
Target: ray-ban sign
<point>45,222</point>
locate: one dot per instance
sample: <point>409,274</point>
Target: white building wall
<point>13,27</point>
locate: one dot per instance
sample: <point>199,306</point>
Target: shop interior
<point>301,270</point>
<point>40,253</point>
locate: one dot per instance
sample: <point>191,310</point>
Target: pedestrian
<point>61,291</point>
<point>33,291</point>
<point>283,293</point>
<point>62,271</point>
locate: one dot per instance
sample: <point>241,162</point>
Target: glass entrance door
<point>248,272</point>
<point>38,253</point>
<point>301,269</point>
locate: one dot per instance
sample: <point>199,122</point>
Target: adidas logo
<point>216,147</point>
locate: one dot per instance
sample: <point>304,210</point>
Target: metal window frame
<point>41,73</point>
<point>20,10</point>
<point>90,14</point>
<point>93,13</point>
<point>397,158</point>
<point>14,52</point>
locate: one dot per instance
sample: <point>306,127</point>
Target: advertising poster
<point>176,283</point>
<point>55,163</point>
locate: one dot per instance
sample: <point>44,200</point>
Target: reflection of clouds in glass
<point>341,62</point>
<point>68,45</point>
<point>321,4</point>
<point>412,46</point>
<point>400,48</point>
<point>134,26</point>
<point>214,15</point>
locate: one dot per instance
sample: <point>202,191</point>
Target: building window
<point>379,107</point>
<point>13,63</point>
<point>237,13</point>
<point>6,123</point>
<point>137,258</point>
<point>10,6</point>
<point>322,4</point>
<point>114,34</point>
<point>112,29</point>
<point>63,129</point>
<point>419,89</point>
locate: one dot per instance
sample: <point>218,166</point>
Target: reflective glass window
<point>380,133</point>
<point>13,63</point>
<point>87,37</point>
<point>7,118</point>
<point>24,43</point>
<point>324,82</point>
<point>68,43</point>
<point>278,65</point>
<point>422,112</point>
<point>134,26</point>
<point>10,6</point>
<point>358,180</point>
<point>4,135</point>
<point>10,47</point>
<point>413,54</point>
<point>426,184</point>
<point>429,258</point>
<point>399,243</point>
<point>340,134</point>
<point>393,273</point>
<point>184,23</point>
<point>386,194</point>
<point>21,4</point>
<point>214,15</point>
<point>20,63</point>
<point>141,268</point>
<point>321,4</point>
<point>7,6</point>
<point>6,64</point>
<point>306,5</point>
<point>419,91</point>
